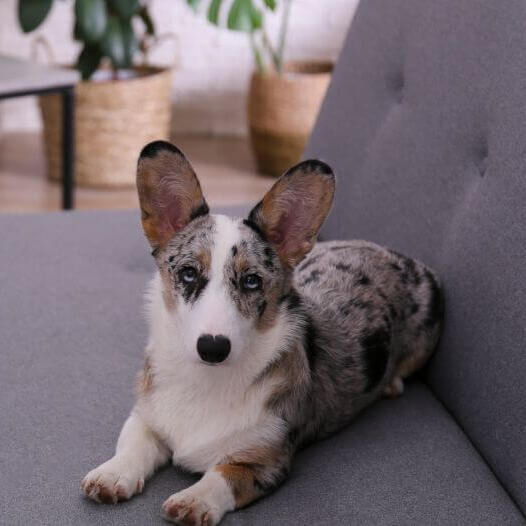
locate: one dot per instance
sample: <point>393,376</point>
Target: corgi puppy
<point>261,340</point>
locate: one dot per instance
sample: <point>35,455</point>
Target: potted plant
<point>284,97</point>
<point>119,106</point>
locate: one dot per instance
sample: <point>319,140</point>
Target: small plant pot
<point>114,119</point>
<point>282,110</point>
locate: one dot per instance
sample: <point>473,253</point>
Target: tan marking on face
<point>167,289</point>
<point>205,261</point>
<point>254,256</point>
<point>145,381</point>
<point>270,316</point>
<point>240,263</point>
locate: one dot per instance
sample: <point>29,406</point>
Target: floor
<point>223,164</point>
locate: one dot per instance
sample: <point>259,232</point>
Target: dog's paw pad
<point>109,486</point>
<point>188,511</point>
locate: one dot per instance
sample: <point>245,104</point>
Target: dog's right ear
<point>170,195</point>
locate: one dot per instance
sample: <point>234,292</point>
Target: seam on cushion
<point>483,458</point>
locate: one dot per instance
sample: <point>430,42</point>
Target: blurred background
<point>236,84</point>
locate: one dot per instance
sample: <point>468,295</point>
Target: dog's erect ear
<point>294,209</point>
<point>169,192</point>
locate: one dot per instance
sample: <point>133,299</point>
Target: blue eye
<point>251,282</point>
<point>187,274</point>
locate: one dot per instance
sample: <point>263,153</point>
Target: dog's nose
<point>213,349</point>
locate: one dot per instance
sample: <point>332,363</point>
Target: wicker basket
<point>282,110</point>
<point>113,121</point>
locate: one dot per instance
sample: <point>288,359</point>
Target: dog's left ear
<point>169,192</point>
<point>294,209</point>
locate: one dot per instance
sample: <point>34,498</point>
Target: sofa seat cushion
<point>72,333</point>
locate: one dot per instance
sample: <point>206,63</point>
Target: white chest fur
<point>203,420</point>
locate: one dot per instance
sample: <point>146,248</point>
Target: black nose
<point>213,349</point>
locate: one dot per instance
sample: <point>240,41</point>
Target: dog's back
<point>373,318</point>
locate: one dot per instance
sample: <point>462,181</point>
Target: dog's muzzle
<point>213,349</point>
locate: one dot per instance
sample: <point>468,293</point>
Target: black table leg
<point>68,148</point>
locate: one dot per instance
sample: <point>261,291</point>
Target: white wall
<point>213,66</point>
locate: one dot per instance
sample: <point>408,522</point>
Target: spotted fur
<point>316,332</point>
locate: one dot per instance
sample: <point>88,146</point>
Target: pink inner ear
<point>173,215</point>
<point>173,206</point>
<point>277,235</point>
<point>294,225</point>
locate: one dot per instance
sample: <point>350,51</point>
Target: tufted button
<point>399,87</point>
<point>482,159</point>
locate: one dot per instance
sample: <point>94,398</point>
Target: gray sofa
<point>425,124</point>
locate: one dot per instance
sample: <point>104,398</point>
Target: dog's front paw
<point>187,510</point>
<point>111,483</point>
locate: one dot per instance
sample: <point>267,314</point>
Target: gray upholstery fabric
<point>425,125</point>
<point>72,336</point>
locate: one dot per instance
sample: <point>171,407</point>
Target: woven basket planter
<point>114,119</point>
<point>282,110</point>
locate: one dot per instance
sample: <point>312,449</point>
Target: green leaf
<point>92,18</point>
<point>213,11</point>
<point>77,33</point>
<point>147,20</point>
<point>271,4</point>
<point>257,18</point>
<point>31,13</point>
<point>113,45</point>
<point>244,16</point>
<point>124,8</point>
<point>194,4</point>
<point>88,61</point>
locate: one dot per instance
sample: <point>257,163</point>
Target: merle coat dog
<point>260,340</point>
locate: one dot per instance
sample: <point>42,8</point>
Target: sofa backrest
<point>425,125</point>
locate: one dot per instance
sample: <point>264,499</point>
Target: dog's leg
<point>224,488</point>
<point>137,455</point>
<point>394,388</point>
